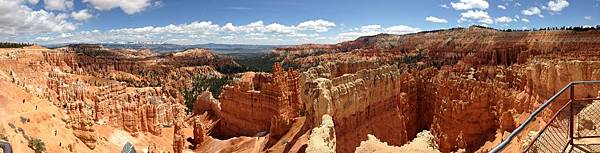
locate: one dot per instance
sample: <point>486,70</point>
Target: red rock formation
<point>178,135</point>
<point>474,46</point>
<point>249,105</point>
<point>205,102</point>
<point>371,101</point>
<point>470,109</point>
<point>82,124</point>
<point>199,133</point>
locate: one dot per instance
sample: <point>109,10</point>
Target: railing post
<point>571,114</point>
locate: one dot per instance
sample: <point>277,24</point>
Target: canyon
<point>452,90</point>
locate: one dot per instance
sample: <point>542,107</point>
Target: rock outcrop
<point>470,109</point>
<point>370,101</point>
<point>322,138</point>
<point>423,143</point>
<point>178,135</point>
<point>205,102</point>
<point>80,120</point>
<point>250,104</point>
<point>473,46</point>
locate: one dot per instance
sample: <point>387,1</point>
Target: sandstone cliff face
<point>205,102</point>
<point>138,69</point>
<point>82,124</point>
<point>388,100</point>
<point>249,105</point>
<point>474,46</point>
<point>371,101</point>
<point>142,111</point>
<point>471,109</point>
<point>546,76</point>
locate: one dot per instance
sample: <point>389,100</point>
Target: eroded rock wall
<point>80,120</point>
<point>371,101</point>
<point>249,105</point>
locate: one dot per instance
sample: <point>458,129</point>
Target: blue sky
<point>271,21</point>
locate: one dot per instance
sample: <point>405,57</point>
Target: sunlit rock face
<point>249,105</point>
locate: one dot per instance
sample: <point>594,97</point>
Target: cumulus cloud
<point>480,16</point>
<point>128,6</point>
<point>435,19</point>
<point>18,19</point>
<point>82,15</point>
<point>401,29</point>
<point>376,29</point>
<point>587,17</point>
<point>204,32</point>
<point>557,5</point>
<point>525,20</point>
<point>532,11</point>
<point>317,25</point>
<point>58,4</point>
<point>470,4</point>
<point>505,19</point>
<point>502,7</point>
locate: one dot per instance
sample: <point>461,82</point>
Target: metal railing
<point>562,132</point>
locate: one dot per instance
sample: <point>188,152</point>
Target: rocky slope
<point>468,86</point>
<point>465,84</point>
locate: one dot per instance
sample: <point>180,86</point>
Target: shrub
<point>37,145</point>
<point>21,130</point>
<point>24,119</point>
<point>2,134</point>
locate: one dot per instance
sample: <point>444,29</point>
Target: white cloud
<point>470,4</point>
<point>444,6</point>
<point>517,4</point>
<point>557,5</point>
<point>525,20</point>
<point>278,28</point>
<point>504,19</point>
<point>316,25</point>
<point>481,16</point>
<point>58,4</point>
<point>376,29</point>
<point>42,39</point>
<point>17,19</point>
<point>319,25</point>
<point>82,15</point>
<point>435,19</point>
<point>587,17</point>
<point>207,31</point>
<point>33,1</point>
<point>401,29</point>
<point>502,7</point>
<point>128,6</point>
<point>532,11</point>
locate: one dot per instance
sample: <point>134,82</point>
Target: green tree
<point>202,82</point>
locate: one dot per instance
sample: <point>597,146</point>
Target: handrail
<point>534,114</point>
